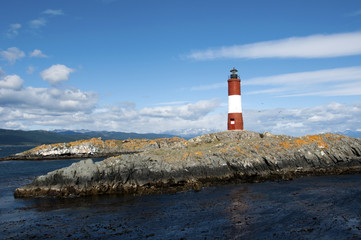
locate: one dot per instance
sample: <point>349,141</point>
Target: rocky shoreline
<point>92,148</point>
<point>174,164</point>
<point>62,156</point>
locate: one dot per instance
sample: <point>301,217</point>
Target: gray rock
<point>169,165</point>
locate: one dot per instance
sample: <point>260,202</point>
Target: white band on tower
<point>234,104</point>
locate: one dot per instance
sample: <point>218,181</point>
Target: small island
<point>166,165</point>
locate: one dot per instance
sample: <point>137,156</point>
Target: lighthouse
<point>235,119</point>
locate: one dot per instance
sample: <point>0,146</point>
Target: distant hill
<point>356,134</point>
<point>113,135</point>
<point>20,137</point>
<point>189,133</point>
<point>38,137</point>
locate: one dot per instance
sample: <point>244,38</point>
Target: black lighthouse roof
<point>234,74</point>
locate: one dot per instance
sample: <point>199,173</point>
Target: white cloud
<point>54,12</point>
<point>13,30</point>
<point>38,54</point>
<point>43,108</point>
<point>173,103</point>
<point>320,119</point>
<point>12,54</point>
<point>56,74</point>
<point>14,125</point>
<point>47,101</point>
<point>2,72</point>
<point>314,46</point>
<point>37,23</point>
<point>125,117</point>
<point>49,108</point>
<point>346,89</point>
<point>319,76</point>
<point>55,108</point>
<point>190,111</point>
<point>11,82</point>
<point>30,70</point>
<point>328,82</point>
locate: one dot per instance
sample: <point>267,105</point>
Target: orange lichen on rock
<point>198,154</point>
<point>135,144</point>
<point>285,144</point>
<point>225,150</point>
<point>112,143</point>
<point>306,140</point>
<point>187,155</point>
<point>98,145</point>
<point>41,147</point>
<point>139,144</point>
<point>94,141</point>
<point>318,139</point>
<point>175,139</point>
<point>240,150</point>
<point>233,150</point>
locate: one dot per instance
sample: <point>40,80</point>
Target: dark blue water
<point>306,208</point>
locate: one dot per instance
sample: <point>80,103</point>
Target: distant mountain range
<point>111,135</point>
<point>356,134</point>
<point>38,137</point>
<point>192,132</point>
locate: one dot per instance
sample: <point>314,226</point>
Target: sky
<point>162,65</point>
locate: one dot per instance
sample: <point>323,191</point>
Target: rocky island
<point>143,166</point>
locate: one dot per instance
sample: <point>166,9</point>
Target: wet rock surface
<point>171,165</point>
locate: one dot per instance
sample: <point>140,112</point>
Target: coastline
<point>60,157</point>
<point>58,190</point>
<point>172,165</point>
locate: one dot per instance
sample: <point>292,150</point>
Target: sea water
<point>306,208</point>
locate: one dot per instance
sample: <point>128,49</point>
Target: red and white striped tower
<point>235,119</point>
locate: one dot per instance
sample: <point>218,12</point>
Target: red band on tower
<point>235,121</point>
<point>235,118</point>
<point>234,87</point>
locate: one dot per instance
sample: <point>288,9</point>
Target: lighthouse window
<point>232,121</point>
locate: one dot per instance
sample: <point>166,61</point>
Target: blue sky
<point>160,65</point>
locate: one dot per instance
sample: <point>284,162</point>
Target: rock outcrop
<point>169,165</point>
<point>95,148</point>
